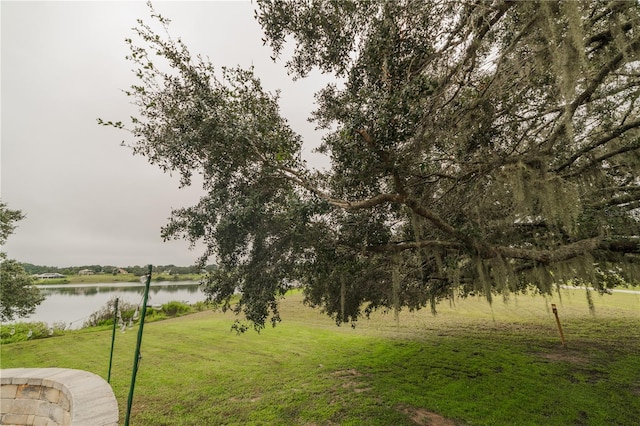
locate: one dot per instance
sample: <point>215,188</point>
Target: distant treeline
<point>110,269</point>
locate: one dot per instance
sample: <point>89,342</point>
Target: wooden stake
<point>555,312</point>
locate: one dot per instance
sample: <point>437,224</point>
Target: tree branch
<point>631,147</point>
<point>570,251</point>
<point>623,199</point>
<point>616,133</point>
<point>586,94</point>
<point>439,223</point>
<point>412,245</point>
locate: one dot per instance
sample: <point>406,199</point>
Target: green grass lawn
<point>472,364</point>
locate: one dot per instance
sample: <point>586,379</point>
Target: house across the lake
<point>85,272</point>
<point>49,275</point>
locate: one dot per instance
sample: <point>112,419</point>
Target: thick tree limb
<point>439,223</point>
<point>299,179</point>
<point>570,251</point>
<point>412,245</point>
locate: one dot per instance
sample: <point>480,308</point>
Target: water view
<point>72,304</point>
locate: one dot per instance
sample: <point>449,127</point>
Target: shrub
<point>201,306</point>
<point>174,308</point>
<point>104,316</point>
<point>22,331</point>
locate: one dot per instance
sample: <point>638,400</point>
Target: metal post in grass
<point>136,358</point>
<point>113,338</point>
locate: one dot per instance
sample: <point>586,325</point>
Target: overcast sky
<point>87,199</point>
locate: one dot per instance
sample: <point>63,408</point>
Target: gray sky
<point>87,199</point>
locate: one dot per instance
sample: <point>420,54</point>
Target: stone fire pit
<point>56,397</point>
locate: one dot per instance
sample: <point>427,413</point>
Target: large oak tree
<point>476,147</point>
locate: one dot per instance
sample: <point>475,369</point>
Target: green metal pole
<point>136,358</point>
<point>113,339</point>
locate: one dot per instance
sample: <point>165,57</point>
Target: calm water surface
<point>72,304</point>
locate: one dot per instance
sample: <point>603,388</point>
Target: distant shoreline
<point>119,284</point>
<point>110,278</point>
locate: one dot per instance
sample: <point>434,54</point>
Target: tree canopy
<point>18,296</point>
<point>480,147</point>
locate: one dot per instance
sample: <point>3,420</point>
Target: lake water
<point>72,304</point>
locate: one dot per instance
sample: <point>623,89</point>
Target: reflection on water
<point>72,304</point>
<point>89,290</point>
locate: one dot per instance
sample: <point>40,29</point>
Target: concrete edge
<point>91,397</point>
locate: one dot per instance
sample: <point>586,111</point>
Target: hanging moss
<point>343,296</point>
<point>483,281</point>
<point>501,274</point>
<point>395,280</point>
<point>592,306</point>
<point>462,130</point>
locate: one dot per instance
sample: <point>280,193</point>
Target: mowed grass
<point>473,363</point>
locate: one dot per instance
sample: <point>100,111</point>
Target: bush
<point>201,306</point>
<point>104,316</point>
<point>174,308</point>
<point>22,331</point>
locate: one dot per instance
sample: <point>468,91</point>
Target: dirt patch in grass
<point>565,356</point>
<point>350,380</point>
<point>352,372</point>
<point>423,417</point>
<point>245,399</point>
